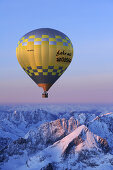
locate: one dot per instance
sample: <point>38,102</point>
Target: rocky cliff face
<point>40,138</point>
<point>53,131</point>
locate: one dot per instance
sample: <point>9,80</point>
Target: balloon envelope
<point>44,54</point>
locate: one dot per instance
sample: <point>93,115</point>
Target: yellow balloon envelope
<point>44,54</point>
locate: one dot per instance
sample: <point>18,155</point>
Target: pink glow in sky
<point>89,89</point>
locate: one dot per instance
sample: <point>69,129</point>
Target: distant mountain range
<point>40,139</point>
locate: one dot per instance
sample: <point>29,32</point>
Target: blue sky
<point>89,25</point>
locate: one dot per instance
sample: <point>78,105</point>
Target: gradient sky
<point>88,23</point>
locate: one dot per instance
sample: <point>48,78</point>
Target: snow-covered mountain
<point>33,138</point>
<point>80,140</point>
<point>14,124</point>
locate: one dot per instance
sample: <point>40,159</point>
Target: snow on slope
<point>103,126</point>
<point>16,124</point>
<point>58,149</point>
<point>83,141</point>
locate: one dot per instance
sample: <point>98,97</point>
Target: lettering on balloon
<point>60,58</point>
<point>62,53</point>
<point>63,59</point>
<point>30,50</point>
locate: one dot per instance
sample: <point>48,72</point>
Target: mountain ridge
<point>72,137</point>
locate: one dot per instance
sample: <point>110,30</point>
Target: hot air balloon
<point>44,54</point>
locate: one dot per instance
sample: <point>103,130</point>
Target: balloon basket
<point>45,95</point>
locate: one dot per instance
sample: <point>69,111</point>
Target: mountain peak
<point>79,140</point>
